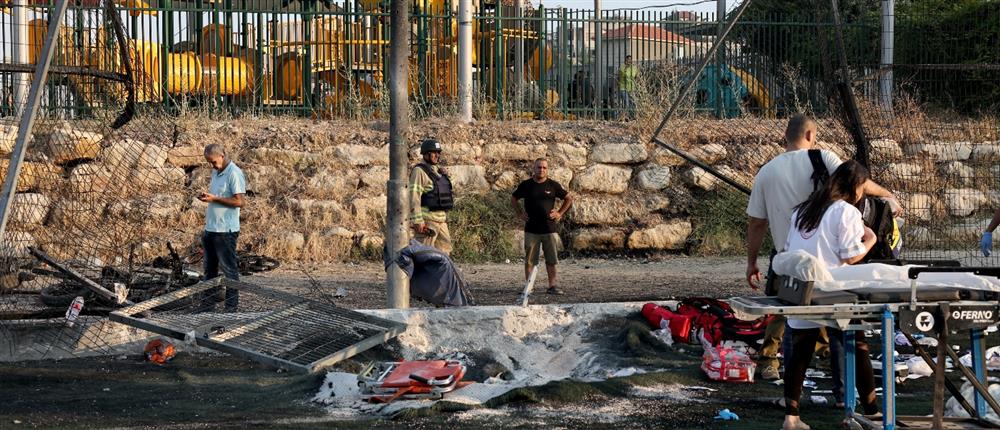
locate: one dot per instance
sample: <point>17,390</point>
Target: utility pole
<point>399,125</point>
<point>598,61</point>
<point>465,60</point>
<point>888,38</point>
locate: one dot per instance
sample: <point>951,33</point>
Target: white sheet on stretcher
<point>802,265</point>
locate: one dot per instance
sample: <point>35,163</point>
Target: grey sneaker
<point>555,291</point>
<point>769,374</point>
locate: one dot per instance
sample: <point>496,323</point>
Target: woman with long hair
<point>829,227</point>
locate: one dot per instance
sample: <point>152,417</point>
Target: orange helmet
<point>159,351</point>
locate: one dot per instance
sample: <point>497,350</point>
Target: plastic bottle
<point>74,311</point>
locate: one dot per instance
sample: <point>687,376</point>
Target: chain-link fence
<point>925,122</point>
<point>94,191</point>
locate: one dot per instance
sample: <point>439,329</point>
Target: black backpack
<point>876,213</point>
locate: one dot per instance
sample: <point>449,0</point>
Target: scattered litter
<point>818,374</point>
<point>494,380</point>
<point>106,389</point>
<point>664,334</point>
<point>918,368</point>
<point>159,351</point>
<point>929,342</point>
<point>698,388</point>
<point>341,292</point>
<point>952,408</point>
<point>17,421</point>
<point>818,400</point>
<point>727,415</point>
<point>901,340</point>
<point>121,293</point>
<point>628,371</point>
<point>74,311</point>
<point>779,382</point>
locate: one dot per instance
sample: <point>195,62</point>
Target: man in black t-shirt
<point>540,217</point>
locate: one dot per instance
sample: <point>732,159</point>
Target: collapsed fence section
<point>93,193</point>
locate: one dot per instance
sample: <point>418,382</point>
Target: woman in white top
<point>828,226</point>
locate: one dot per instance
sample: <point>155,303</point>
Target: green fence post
<point>542,73</point>
<point>561,58</point>
<point>307,64</point>
<point>167,13</point>
<point>258,72</point>
<point>499,66</point>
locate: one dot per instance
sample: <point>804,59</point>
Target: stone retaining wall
<point>317,189</point>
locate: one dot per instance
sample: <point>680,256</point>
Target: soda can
<point>74,311</point>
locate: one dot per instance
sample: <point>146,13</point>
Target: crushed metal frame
<point>243,336</point>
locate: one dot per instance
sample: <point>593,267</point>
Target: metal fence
<point>329,59</point>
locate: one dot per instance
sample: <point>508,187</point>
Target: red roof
<point>647,32</point>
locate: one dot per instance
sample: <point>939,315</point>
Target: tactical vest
<point>440,197</point>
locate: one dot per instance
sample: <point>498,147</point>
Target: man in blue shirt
<point>222,223</point>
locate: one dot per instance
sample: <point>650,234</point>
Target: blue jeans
<point>220,253</point>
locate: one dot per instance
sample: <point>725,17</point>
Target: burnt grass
<point>220,391</point>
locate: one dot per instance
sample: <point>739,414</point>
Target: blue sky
<point>613,4</point>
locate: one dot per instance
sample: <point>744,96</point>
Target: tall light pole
<point>888,37</point>
<point>598,61</point>
<point>399,125</point>
<point>465,60</point>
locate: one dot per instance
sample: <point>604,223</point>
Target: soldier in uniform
<point>431,198</point>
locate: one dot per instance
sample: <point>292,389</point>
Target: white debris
<point>628,371</point>
<point>538,344</point>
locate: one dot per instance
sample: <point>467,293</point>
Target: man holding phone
<point>222,224</point>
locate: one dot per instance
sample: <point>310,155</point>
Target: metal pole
<point>979,368</point>
<point>399,125</point>
<point>519,58</point>
<point>851,113</point>
<point>720,58</point>
<point>465,60</point>
<point>889,370</point>
<point>598,61</point>
<point>19,15</point>
<point>56,15</point>
<point>888,37</point>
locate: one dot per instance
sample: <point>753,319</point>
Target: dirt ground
<point>584,280</point>
<point>198,391</point>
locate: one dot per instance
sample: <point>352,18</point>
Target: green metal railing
<point>330,60</point>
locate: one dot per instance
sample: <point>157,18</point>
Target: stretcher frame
<point>866,316</point>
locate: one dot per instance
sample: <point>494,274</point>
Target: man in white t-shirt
<point>780,185</point>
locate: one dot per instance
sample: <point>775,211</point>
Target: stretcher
<point>926,309</point>
<point>389,381</point>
